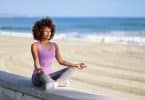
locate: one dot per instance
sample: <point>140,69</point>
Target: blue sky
<point>73,8</point>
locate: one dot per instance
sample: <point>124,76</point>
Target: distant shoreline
<point>93,38</point>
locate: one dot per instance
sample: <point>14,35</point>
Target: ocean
<point>108,30</point>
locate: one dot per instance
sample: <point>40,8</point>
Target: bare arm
<point>34,51</point>
<point>64,62</point>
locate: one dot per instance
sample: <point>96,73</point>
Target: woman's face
<point>46,33</point>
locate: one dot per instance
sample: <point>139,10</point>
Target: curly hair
<point>39,26</point>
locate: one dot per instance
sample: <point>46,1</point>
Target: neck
<point>44,41</point>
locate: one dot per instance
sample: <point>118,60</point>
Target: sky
<point>73,8</point>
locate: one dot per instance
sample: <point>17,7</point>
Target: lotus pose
<point>44,51</point>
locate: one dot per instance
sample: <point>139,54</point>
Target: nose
<point>49,33</point>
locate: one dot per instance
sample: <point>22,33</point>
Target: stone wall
<point>15,87</point>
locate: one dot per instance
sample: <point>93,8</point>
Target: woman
<point>44,52</point>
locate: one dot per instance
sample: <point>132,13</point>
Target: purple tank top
<point>46,57</point>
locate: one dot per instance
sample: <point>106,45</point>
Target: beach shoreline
<point>113,69</point>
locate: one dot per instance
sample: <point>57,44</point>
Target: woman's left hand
<point>80,66</point>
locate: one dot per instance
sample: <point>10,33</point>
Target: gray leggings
<point>60,75</point>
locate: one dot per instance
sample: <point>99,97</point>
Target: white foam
<point>116,39</point>
<point>17,34</point>
<point>110,37</point>
<point>137,38</point>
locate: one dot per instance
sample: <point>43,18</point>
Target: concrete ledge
<point>14,87</point>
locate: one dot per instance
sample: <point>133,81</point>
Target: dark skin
<point>46,44</point>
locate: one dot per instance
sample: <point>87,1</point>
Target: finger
<point>80,68</point>
<point>77,67</point>
<point>81,63</point>
<point>85,66</point>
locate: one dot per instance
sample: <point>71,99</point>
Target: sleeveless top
<point>46,57</point>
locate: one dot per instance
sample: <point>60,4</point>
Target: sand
<point>113,69</point>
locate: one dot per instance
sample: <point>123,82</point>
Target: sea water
<point>108,30</point>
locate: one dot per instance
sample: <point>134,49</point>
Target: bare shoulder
<point>34,45</point>
<point>54,43</point>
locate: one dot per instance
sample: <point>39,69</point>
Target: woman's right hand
<point>40,70</point>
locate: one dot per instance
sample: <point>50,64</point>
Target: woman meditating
<point>44,52</point>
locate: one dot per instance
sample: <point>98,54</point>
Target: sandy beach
<point>113,69</point>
